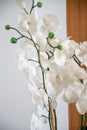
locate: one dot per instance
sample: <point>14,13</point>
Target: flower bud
<point>39,4</point>
<point>7,27</point>
<point>51,35</point>
<point>13,40</point>
<point>59,47</point>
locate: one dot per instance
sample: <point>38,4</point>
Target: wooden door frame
<point>76,12</point>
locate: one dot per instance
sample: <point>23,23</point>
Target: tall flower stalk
<point>51,112</point>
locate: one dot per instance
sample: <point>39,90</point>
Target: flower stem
<point>50,44</point>
<point>51,111</point>
<point>55,119</point>
<point>32,60</point>
<point>83,122</point>
<point>76,60</point>
<point>32,6</point>
<point>26,11</point>
<point>40,64</point>
<point>52,117</point>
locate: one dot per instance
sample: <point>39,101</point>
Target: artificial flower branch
<point>39,61</point>
<point>49,71</point>
<point>52,114</point>
<point>39,5</point>
<point>37,49</point>
<point>51,35</point>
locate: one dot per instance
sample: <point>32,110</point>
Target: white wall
<point>15,101</point>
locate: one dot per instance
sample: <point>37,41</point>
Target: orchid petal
<point>81,105</point>
<point>21,3</point>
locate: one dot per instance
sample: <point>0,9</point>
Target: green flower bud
<point>51,35</point>
<point>39,4</point>
<point>13,40</point>
<point>59,47</point>
<point>7,27</point>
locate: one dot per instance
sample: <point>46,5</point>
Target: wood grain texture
<point>77,19</point>
<point>77,28</point>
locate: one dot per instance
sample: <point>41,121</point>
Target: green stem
<point>17,31</point>
<point>19,37</point>
<point>45,116</point>
<point>50,55</point>
<point>45,107</point>
<point>50,44</point>
<point>49,115</point>
<point>26,11</point>
<point>76,60</point>
<point>32,60</point>
<point>33,6</point>
<point>39,61</point>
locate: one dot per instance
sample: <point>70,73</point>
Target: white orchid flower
<point>81,52</point>
<point>81,105</point>
<point>38,118</point>
<point>24,58</point>
<point>40,110</point>
<point>21,62</point>
<point>39,97</point>
<point>43,119</point>
<point>53,80</point>
<point>72,92</point>
<point>37,91</point>
<point>55,41</point>
<point>41,40</point>
<point>66,74</point>
<point>29,49</point>
<point>24,65</point>
<point>59,57</point>
<point>75,70</point>
<point>62,56</point>
<point>69,46</point>
<point>21,3</point>
<point>35,123</point>
<point>49,23</point>
<point>28,22</point>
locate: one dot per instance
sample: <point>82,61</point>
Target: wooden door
<point>77,28</point>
